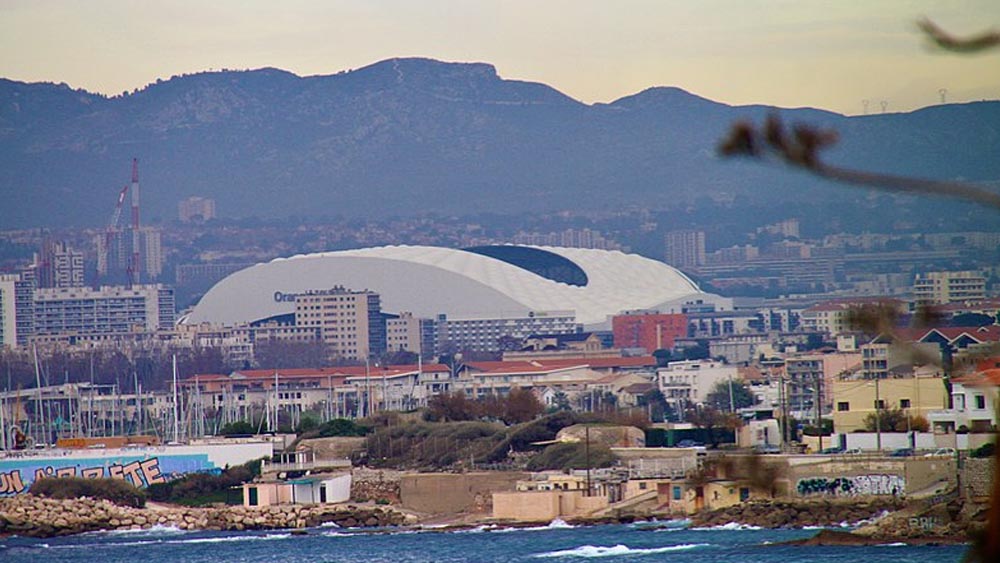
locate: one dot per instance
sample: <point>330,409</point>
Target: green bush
<point>237,428</point>
<point>203,488</point>
<point>986,450</point>
<point>117,491</point>
<point>342,427</point>
<point>571,455</point>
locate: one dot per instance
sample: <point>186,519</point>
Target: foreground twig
<point>801,150</point>
<point>985,40</point>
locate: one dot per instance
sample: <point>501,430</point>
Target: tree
<point>662,356</point>
<point>742,397</point>
<point>521,406</point>
<point>894,420</point>
<point>446,407</point>
<point>709,419</point>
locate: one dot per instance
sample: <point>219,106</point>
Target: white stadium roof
<point>488,281</point>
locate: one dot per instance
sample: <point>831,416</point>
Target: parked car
<point>902,452</point>
<point>766,449</point>
<point>689,444</point>
<point>831,451</point>
<point>853,451</point>
<point>942,452</point>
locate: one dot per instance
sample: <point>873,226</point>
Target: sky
<point>832,54</point>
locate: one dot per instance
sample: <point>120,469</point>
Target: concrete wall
<point>545,506</point>
<point>977,477</point>
<point>454,492</point>
<point>873,476</point>
<point>338,489</point>
<point>868,441</point>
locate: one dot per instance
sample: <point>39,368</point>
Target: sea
<point>674,541</point>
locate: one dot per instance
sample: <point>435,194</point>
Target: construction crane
<point>135,271</point>
<point>116,216</point>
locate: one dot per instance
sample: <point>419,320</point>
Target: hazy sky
<point>830,54</point>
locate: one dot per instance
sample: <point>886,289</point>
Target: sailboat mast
<point>177,416</point>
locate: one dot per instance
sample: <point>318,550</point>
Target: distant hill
<point>407,135</point>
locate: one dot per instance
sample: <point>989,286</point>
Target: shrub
<point>204,488</point>
<point>237,428</point>
<point>986,450</point>
<point>571,455</point>
<point>342,427</point>
<point>117,491</point>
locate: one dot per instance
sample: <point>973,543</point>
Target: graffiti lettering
<point>140,474</point>
<point>927,523</point>
<point>92,473</point>
<point>11,483</point>
<point>858,485</point>
<point>151,471</point>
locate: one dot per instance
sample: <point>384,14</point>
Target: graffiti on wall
<point>858,485</point>
<point>139,473</point>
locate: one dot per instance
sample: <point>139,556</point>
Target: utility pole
<point>878,418</point>
<point>586,449</point>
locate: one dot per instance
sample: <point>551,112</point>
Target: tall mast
<point>38,395</point>
<point>177,416</point>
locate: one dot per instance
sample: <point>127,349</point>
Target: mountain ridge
<point>409,134</point>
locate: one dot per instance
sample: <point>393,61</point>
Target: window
<point>980,401</point>
<point>744,493</point>
<point>677,493</point>
<point>843,406</point>
<point>904,403</point>
<point>642,486</point>
<point>880,404</point>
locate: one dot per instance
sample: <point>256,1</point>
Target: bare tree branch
<point>801,150</point>
<point>972,44</point>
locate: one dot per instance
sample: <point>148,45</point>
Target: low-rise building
<point>855,399</point>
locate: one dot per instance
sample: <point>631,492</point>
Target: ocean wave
<point>730,526</point>
<point>224,539</point>
<point>157,530</point>
<point>894,544</point>
<point>557,524</point>
<point>620,549</point>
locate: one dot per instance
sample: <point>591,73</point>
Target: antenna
<point>884,104</point>
<point>943,92</point>
<point>864,103</point>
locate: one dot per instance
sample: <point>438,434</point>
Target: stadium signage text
<point>280,297</point>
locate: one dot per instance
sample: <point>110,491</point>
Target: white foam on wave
<point>157,530</point>
<point>224,539</point>
<point>729,526</point>
<point>557,524</point>
<point>328,525</point>
<point>336,535</point>
<point>616,550</point>
<point>894,544</point>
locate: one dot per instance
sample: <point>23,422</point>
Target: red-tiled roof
<point>985,378</point>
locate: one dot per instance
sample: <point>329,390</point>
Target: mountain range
<point>417,135</point>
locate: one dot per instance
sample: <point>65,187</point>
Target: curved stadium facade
<point>486,281</point>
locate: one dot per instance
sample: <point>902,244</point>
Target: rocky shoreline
<point>33,516</point>
<point>779,513</point>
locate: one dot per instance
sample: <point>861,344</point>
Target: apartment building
<point>110,309</point>
<point>350,322</point>
<point>939,288</point>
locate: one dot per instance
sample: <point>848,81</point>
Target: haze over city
<point>499,281</point>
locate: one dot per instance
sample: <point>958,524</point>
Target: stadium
<point>478,282</point>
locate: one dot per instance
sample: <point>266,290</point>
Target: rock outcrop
<point>798,513</point>
<point>29,515</point>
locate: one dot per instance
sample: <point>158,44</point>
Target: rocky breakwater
<point>33,516</point>
<point>798,513</point>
